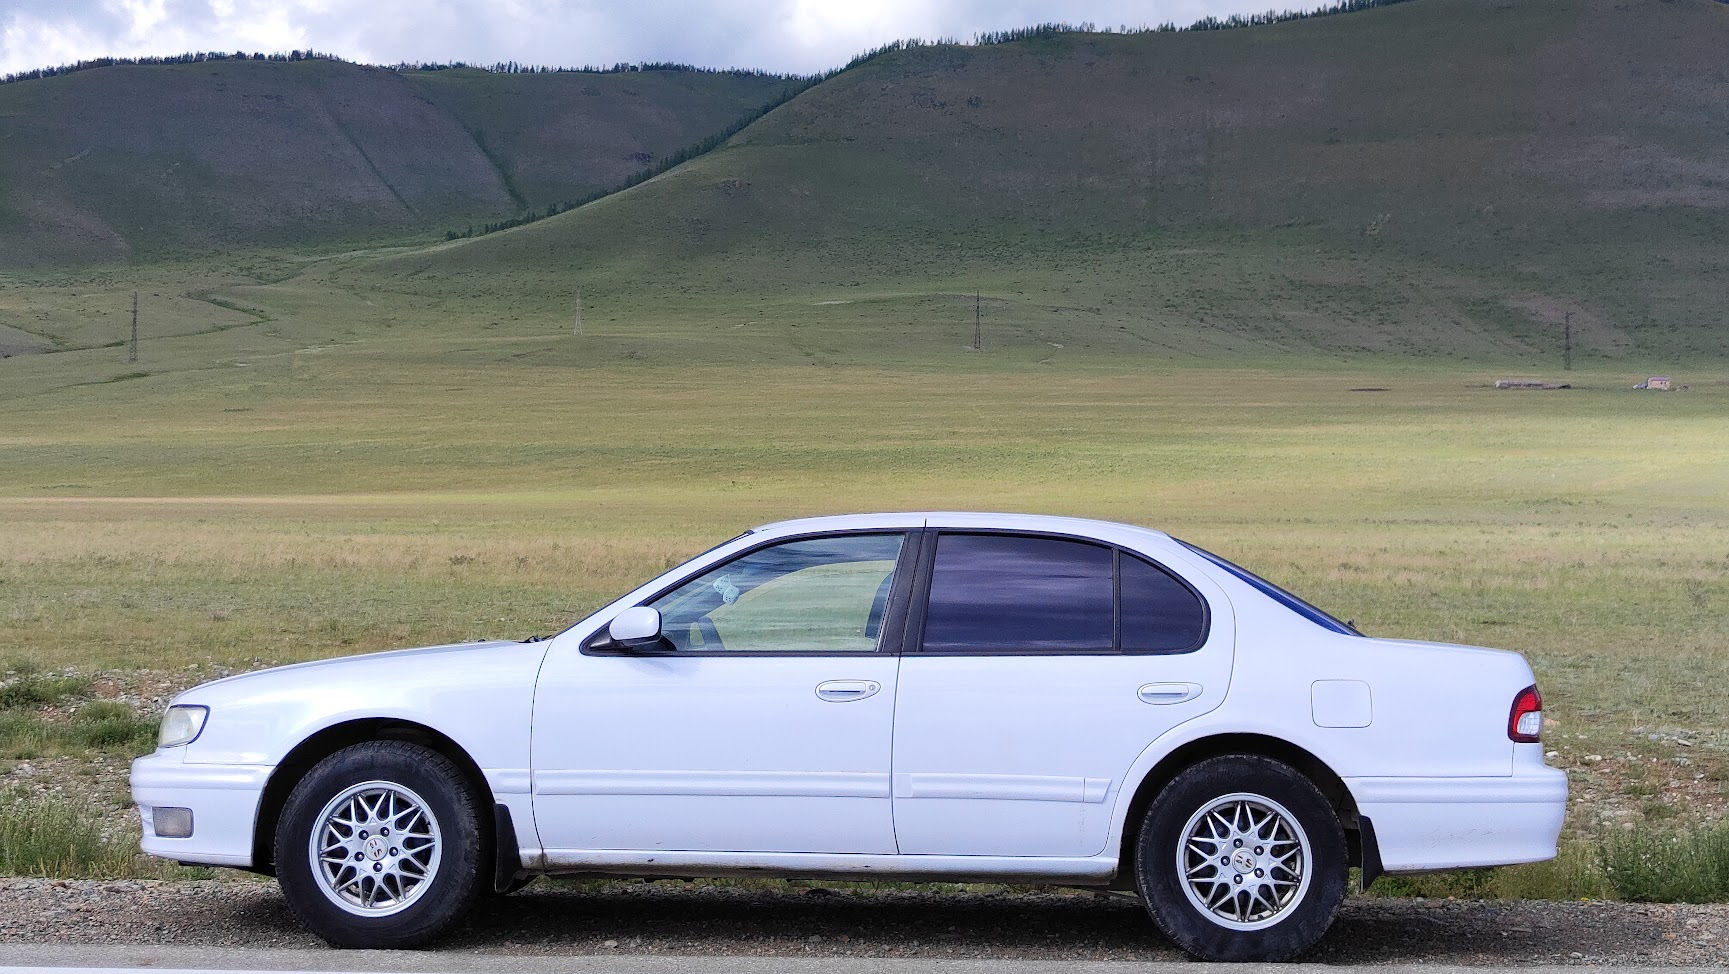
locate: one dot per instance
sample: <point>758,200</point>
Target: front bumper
<point>1425,824</point>
<point>223,798</point>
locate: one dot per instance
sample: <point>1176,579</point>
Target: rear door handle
<point>840,691</point>
<point>1159,693</point>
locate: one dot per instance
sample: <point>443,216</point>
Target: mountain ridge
<point>102,167</point>
<point>1404,174</point>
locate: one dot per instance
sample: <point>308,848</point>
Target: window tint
<point>997,593</point>
<point>819,595</point>
<point>1160,614</point>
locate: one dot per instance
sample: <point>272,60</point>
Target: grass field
<point>379,494</point>
<point>366,498</point>
<point>333,448</point>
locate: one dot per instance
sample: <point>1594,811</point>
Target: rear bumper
<point>223,799</point>
<point>1424,824</point>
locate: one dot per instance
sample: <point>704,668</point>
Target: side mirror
<point>635,628</point>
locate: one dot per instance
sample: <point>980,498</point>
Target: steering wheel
<point>711,641</point>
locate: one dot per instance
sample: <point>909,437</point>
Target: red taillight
<point>1525,723</point>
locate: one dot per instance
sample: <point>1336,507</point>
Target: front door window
<point>819,595</point>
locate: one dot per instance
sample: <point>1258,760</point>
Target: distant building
<point>1659,383</point>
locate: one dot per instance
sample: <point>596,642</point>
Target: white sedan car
<point>973,697</point>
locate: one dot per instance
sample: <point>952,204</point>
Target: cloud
<point>779,35</point>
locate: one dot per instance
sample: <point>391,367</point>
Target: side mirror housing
<point>635,628</point>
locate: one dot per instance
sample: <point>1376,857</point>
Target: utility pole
<point>1567,344</point>
<point>978,321</point>
<point>579,314</point>
<point>133,355</point>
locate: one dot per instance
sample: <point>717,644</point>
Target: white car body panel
<point>477,694</point>
<point>1045,741</point>
<point>223,799</point>
<point>712,755</point>
<point>602,770</point>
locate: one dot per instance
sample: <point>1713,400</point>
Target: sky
<point>792,36</point>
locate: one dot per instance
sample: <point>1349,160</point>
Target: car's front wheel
<point>1241,858</point>
<point>379,846</point>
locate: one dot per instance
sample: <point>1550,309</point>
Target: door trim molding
<point>744,784</point>
<point>1003,787</point>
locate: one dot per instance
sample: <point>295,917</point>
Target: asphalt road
<point>630,926</point>
<point>15,959</point>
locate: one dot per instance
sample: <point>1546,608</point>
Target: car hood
<point>419,662</point>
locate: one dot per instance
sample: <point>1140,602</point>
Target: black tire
<point>415,910</point>
<point>1290,914</point>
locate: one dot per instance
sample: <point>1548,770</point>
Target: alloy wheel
<point>1244,861</point>
<point>375,848</point>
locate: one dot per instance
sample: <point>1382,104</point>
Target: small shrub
<point>36,690</point>
<point>1657,808</point>
<point>97,725</point>
<point>20,666</point>
<point>56,839</point>
<point>1464,884</point>
<point>1572,875</point>
<point>1652,865</point>
<point>24,737</point>
<point>111,724</point>
<point>97,710</point>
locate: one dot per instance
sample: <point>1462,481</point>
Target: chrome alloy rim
<point>375,848</point>
<point>1245,861</point>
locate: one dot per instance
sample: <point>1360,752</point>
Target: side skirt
<point>833,866</point>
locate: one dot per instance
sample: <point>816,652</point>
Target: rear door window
<point>993,593</point>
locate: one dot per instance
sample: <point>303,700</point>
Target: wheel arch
<point>1316,770</point>
<point>327,741</point>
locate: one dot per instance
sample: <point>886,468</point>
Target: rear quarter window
<point>1159,613</point>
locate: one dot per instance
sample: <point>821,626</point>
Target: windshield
<point>1289,601</point>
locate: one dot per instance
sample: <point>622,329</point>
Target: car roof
<point>957,519</point>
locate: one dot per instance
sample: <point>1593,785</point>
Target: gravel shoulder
<point>774,920</point>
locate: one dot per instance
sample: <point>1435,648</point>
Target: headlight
<point>181,724</point>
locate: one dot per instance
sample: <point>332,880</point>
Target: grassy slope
<point>563,136</point>
<point>1450,176</point>
<point>148,162</point>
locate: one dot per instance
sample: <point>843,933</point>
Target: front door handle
<point>1158,693</point>
<point>840,691</point>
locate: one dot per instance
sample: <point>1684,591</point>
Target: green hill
<point>156,161</point>
<point>1459,176</point>
<point>1460,179</point>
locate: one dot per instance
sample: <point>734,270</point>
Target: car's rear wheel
<point>379,846</point>
<point>1241,858</point>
